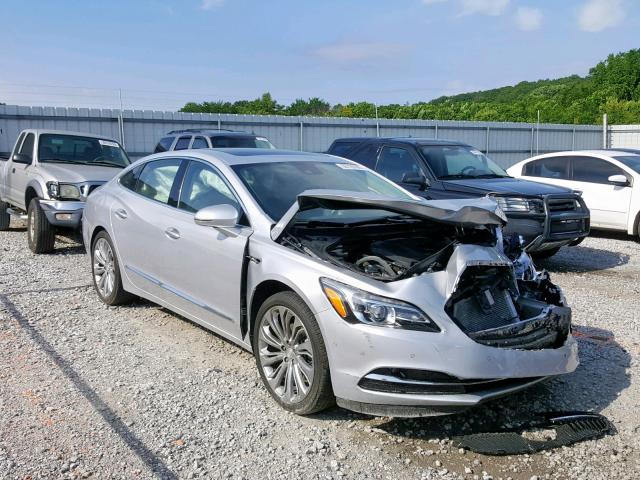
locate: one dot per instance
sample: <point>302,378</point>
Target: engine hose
<point>386,266</point>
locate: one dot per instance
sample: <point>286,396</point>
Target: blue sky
<point>162,53</point>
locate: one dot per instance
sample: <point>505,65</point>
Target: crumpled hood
<point>506,185</point>
<point>465,212</point>
<point>68,173</point>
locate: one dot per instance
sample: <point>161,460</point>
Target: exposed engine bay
<point>503,303</point>
<point>387,249</point>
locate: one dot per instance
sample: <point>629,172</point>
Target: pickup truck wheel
<point>5,218</point>
<point>106,272</point>
<point>545,253</point>
<point>41,235</point>
<point>291,355</point>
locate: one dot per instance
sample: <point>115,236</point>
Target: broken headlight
<point>357,306</point>
<point>520,205</point>
<point>63,191</point>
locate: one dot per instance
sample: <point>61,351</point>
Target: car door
<point>19,175</point>
<point>203,265</point>
<point>140,217</point>
<point>608,203</point>
<point>399,164</point>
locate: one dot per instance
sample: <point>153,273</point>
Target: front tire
<point>41,235</point>
<point>106,271</point>
<point>5,218</point>
<point>291,355</point>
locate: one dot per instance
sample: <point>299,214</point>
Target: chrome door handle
<point>172,233</point>
<point>121,213</point>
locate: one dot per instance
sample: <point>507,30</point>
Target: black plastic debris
<point>547,431</point>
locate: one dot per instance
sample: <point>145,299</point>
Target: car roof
<point>211,133</point>
<point>408,140</point>
<point>608,152</point>
<point>40,131</point>
<point>243,156</point>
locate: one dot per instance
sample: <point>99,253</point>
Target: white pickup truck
<point>48,177</point>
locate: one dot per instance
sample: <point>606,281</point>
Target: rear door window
<point>550,167</point>
<point>164,145</point>
<point>182,143</point>
<point>156,179</point>
<point>593,170</point>
<point>199,142</point>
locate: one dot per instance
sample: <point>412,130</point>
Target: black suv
<point>546,216</point>
<point>196,138</point>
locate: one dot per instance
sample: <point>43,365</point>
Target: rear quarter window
<point>164,145</point>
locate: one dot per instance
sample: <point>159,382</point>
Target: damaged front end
<point>494,294</point>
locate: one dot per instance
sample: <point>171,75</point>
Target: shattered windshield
<point>276,186</point>
<point>450,162</point>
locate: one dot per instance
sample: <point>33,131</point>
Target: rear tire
<point>291,356</point>
<point>5,218</point>
<point>544,254</point>
<point>41,235</point>
<point>105,270</point>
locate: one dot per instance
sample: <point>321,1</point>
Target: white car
<point>608,179</point>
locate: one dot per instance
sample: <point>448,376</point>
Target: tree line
<point>611,87</point>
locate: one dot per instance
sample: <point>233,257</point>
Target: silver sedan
<point>345,287</point>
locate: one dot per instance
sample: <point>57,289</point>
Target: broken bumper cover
<point>367,379</point>
<point>63,213</point>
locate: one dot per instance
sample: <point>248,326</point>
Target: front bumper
<point>553,228</point>
<point>356,352</point>
<point>63,213</point>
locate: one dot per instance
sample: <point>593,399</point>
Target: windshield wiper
<point>105,164</point>
<point>458,175</point>
<point>492,175</point>
<point>58,160</point>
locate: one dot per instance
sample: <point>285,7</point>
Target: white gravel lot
<point>138,392</point>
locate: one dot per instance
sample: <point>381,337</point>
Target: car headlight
<point>357,306</point>
<point>520,205</point>
<point>63,191</point>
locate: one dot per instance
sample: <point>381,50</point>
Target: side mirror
<point>21,158</point>
<point>618,180</point>
<point>223,216</point>
<point>419,180</point>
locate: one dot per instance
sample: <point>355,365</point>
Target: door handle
<point>172,233</point>
<point>13,170</point>
<point>121,213</point>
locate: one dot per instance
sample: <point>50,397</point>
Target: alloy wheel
<point>286,354</point>
<point>104,267</point>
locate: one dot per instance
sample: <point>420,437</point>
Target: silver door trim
<point>178,293</point>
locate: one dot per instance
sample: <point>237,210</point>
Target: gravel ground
<point>138,392</point>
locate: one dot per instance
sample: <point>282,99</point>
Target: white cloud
<point>211,4</point>
<point>484,7</point>
<point>528,19</point>
<point>596,15</point>
<point>349,53</point>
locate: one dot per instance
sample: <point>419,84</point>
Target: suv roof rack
<point>202,130</point>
